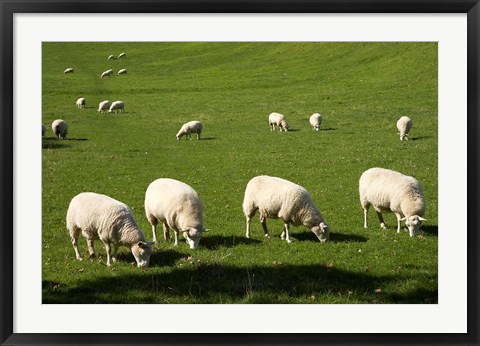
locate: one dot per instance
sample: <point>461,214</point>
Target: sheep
<point>279,120</point>
<point>316,121</point>
<point>404,125</point>
<point>99,216</point>
<point>103,106</point>
<point>117,106</point>
<point>81,103</point>
<point>279,198</point>
<point>122,71</point>
<point>106,73</point>
<point>69,70</point>
<point>44,129</point>
<point>60,129</point>
<point>176,205</point>
<point>391,191</point>
<point>189,128</point>
<point>121,55</point>
<point>111,57</point>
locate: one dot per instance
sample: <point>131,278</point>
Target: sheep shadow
<point>430,229</point>
<point>334,237</point>
<point>207,138</point>
<point>419,138</point>
<point>53,143</point>
<point>328,129</point>
<point>217,241</point>
<point>158,258</point>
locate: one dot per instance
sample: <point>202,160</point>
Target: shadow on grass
<point>430,229</point>
<point>334,237</point>
<point>205,283</point>
<point>328,129</point>
<point>420,138</point>
<point>159,257</point>
<point>208,138</point>
<point>216,241</point>
<point>54,143</point>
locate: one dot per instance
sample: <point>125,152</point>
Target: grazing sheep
<point>279,120</point>
<point>69,70</point>
<point>101,217</point>
<point>176,205</point>
<point>189,128</point>
<point>111,57</point>
<point>122,71</point>
<point>279,198</point>
<point>316,121</point>
<point>391,191</point>
<point>117,106</point>
<point>404,125</point>
<point>107,73</point>
<point>103,106</point>
<point>81,103</point>
<point>60,128</point>
<point>121,55</point>
<point>44,128</point>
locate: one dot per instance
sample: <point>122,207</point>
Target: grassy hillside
<point>361,89</point>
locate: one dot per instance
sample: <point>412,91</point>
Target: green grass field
<point>361,89</point>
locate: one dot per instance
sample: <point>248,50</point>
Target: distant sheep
<point>316,121</point>
<point>107,73</point>
<point>44,129</point>
<point>81,103</point>
<point>279,198</point>
<point>117,106</point>
<point>103,106</point>
<point>176,205</point>
<point>111,57</point>
<point>404,125</point>
<point>122,71</point>
<point>60,129</point>
<point>189,128</point>
<point>278,120</point>
<point>69,70</point>
<point>121,55</point>
<point>101,217</point>
<point>391,191</point>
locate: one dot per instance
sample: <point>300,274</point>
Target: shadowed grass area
<point>361,89</point>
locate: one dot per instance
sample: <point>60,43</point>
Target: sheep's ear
<point>142,244</point>
<point>421,218</point>
<point>206,230</point>
<point>151,243</point>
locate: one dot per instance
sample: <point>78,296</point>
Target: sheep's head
<point>142,251</point>
<point>284,125</point>
<point>413,223</point>
<point>193,235</point>
<point>317,127</point>
<point>322,232</point>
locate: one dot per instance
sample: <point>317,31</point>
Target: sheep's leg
<point>272,127</point>
<point>286,233</point>
<point>365,217</point>
<point>399,223</point>
<point>166,232</point>
<point>107,250</point>
<point>176,236</point>
<point>74,238</point>
<point>91,250</point>
<point>154,232</point>
<point>263,221</point>
<point>114,255</point>
<point>380,218</point>
<point>198,135</point>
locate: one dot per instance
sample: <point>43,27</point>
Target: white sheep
<point>278,120</point>
<point>404,125</point>
<point>69,70</point>
<point>391,191</point>
<point>117,106</point>
<point>279,198</point>
<point>44,129</point>
<point>176,205</point>
<point>60,129</point>
<point>316,121</point>
<point>111,57</point>
<point>189,128</point>
<point>81,103</point>
<point>104,74</point>
<point>122,71</point>
<point>121,55</point>
<point>103,106</point>
<point>101,217</point>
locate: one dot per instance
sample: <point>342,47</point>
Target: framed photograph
<point>350,128</point>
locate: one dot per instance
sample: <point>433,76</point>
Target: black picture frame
<point>9,7</point>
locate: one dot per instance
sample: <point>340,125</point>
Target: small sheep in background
<point>189,128</point>
<point>101,217</point>
<point>122,71</point>
<point>81,103</point>
<point>60,129</point>
<point>176,205</point>
<point>103,106</point>
<point>117,106</point>
<point>316,121</point>
<point>391,191</point>
<point>111,57</point>
<point>69,70</point>
<point>279,198</point>
<point>107,73</point>
<point>121,55</point>
<point>404,125</point>
<point>44,129</point>
<point>278,120</point>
